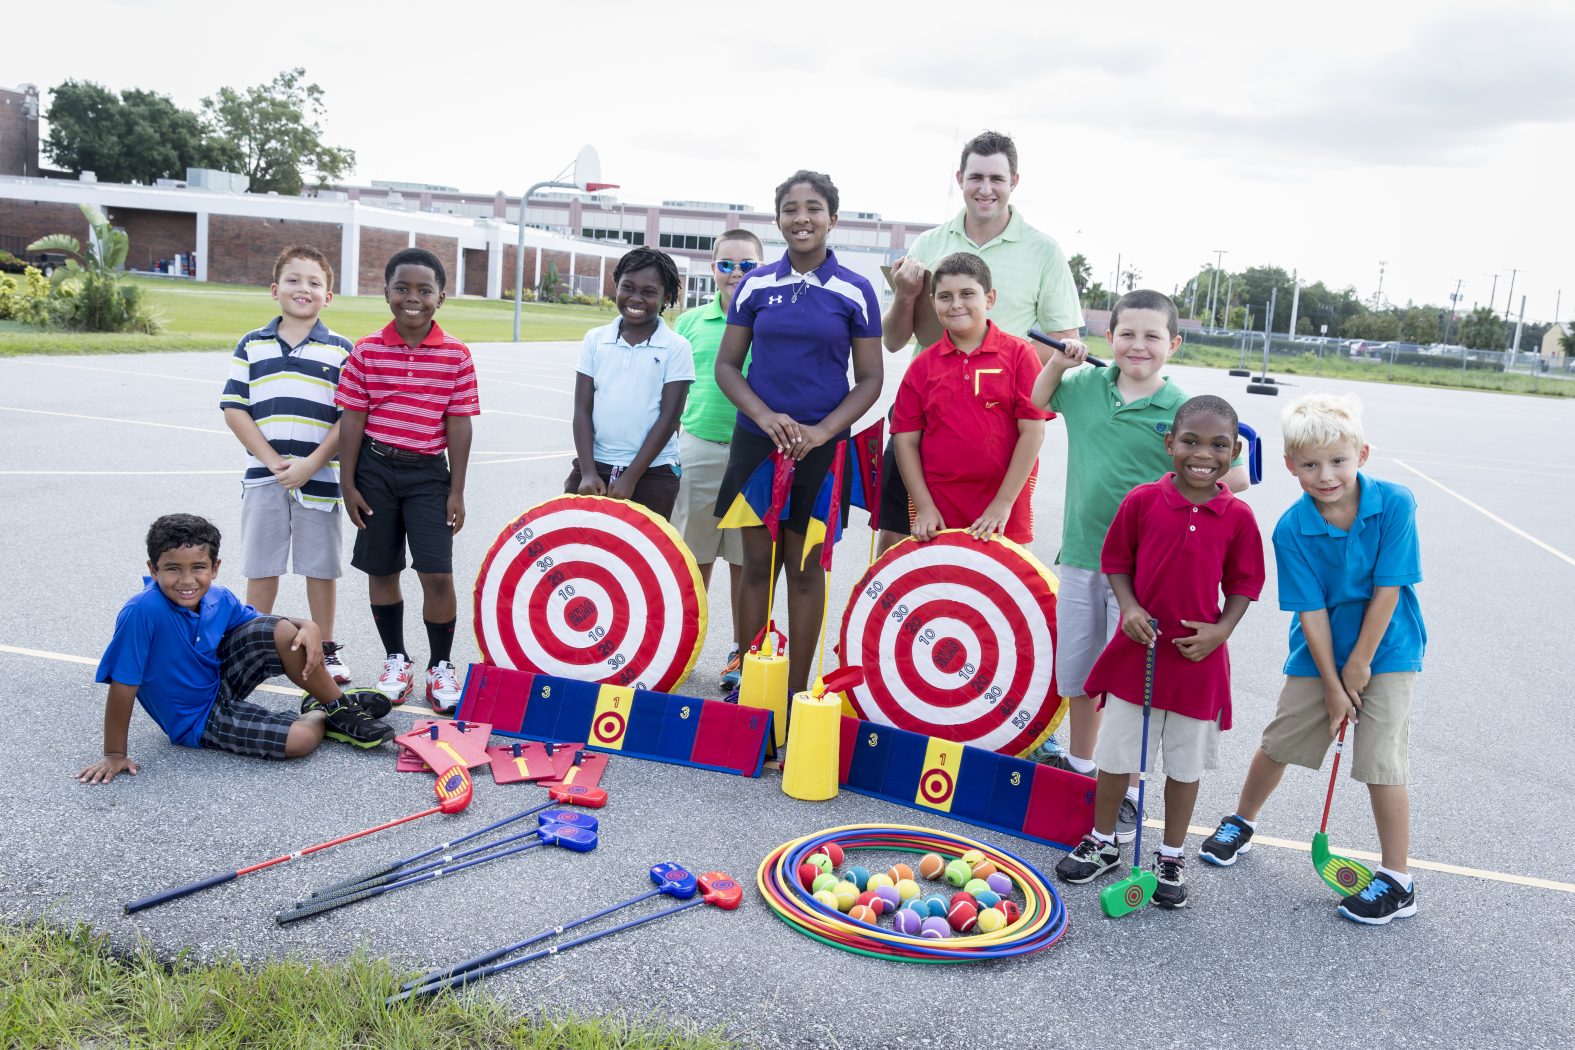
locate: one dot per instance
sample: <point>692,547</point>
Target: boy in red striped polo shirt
<point>408,393</point>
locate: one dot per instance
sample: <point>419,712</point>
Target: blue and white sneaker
<point>1381,901</point>
<point>1232,837</point>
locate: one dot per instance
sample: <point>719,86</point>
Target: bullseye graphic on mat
<point>591,588</point>
<point>958,641</point>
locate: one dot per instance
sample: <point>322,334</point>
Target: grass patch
<point>70,988</point>
<point>214,316</point>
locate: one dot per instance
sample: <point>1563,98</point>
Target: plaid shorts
<point>247,658</point>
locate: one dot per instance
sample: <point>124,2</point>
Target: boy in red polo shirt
<point>1174,546</point>
<point>408,393</point>
<point>965,428</point>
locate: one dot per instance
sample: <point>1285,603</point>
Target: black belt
<point>401,455</point>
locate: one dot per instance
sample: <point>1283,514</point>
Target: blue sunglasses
<point>728,265</point>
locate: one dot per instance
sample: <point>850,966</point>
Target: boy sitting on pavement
<point>190,653</point>
<point>965,428</point>
<point>279,403</point>
<point>1349,561</point>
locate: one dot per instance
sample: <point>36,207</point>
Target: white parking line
<point>132,372</point>
<point>113,419</point>
<point>1522,533</point>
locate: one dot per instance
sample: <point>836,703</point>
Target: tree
<point>1482,330</point>
<point>1081,272</point>
<point>1567,340</point>
<point>1420,325</point>
<point>87,293</point>
<point>1130,278</point>
<point>272,134</point>
<point>138,137</point>
<point>1095,297</point>
<point>547,291</point>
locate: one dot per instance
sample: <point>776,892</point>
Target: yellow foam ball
<point>990,920</point>
<point>907,889</point>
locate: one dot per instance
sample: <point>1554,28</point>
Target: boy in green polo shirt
<point>1116,419</point>
<point>706,429</point>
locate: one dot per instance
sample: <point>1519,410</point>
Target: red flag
<point>781,486</point>
<point>865,452</point>
<point>834,512</point>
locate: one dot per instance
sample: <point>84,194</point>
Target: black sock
<point>390,621</point>
<point>440,636</point>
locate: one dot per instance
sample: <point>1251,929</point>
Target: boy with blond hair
<point>1348,561</point>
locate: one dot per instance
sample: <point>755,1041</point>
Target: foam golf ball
<point>846,893</point>
<point>936,905</point>
<point>984,869</point>
<point>807,874</point>
<point>932,866</point>
<point>821,861</point>
<point>916,904</point>
<point>908,923</point>
<point>871,900</point>
<point>898,872</point>
<point>879,879</point>
<point>834,851</point>
<point>890,895</point>
<point>824,881</point>
<point>862,913</point>
<point>990,920</point>
<point>962,916</point>
<point>974,887</point>
<point>960,896</point>
<point>987,899</point>
<point>972,856</point>
<point>935,928</point>
<point>828,898</point>
<point>1000,883</point>
<point>1010,909</point>
<point>907,889</point>
<point>860,877</point>
<point>958,872</point>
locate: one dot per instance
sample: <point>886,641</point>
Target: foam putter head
<point>579,795</point>
<point>580,840</point>
<point>675,880</point>
<point>568,818</point>
<point>1130,894</point>
<point>453,789</point>
<point>720,889</point>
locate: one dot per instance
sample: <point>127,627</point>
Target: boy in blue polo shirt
<point>190,653</point>
<point>1349,561</point>
<point>633,377</point>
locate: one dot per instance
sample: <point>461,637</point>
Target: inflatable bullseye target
<point>596,589</point>
<point>957,640</point>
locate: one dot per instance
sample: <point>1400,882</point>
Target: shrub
<point>25,298</point>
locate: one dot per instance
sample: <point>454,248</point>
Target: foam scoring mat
<point>639,723</point>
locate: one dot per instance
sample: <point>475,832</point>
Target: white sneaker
<point>443,690</point>
<point>334,665</point>
<point>397,678</point>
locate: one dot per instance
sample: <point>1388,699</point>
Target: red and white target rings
<point>957,640</point>
<point>592,588</point>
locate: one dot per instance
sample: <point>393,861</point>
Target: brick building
<point>19,130</point>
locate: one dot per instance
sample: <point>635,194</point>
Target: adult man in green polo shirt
<point>706,429</point>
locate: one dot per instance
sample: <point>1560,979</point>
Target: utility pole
<point>1219,259</point>
<point>1493,295</point>
<point>1230,286</point>
<point>1194,311</point>
<point>1509,304</point>
<point>1454,303</point>
<point>1296,302</point>
<point>1378,297</point>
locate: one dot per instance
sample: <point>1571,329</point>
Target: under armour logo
<point>773,300</point>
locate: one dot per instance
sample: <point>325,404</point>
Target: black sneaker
<point>1171,874</point>
<point>1088,861</point>
<point>372,701</point>
<point>1381,901</point>
<point>1233,836</point>
<point>347,722</point>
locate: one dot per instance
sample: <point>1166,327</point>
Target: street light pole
<point>1214,285</point>
<point>1509,304</point>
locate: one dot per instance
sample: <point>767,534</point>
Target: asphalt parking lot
<point>93,448</point>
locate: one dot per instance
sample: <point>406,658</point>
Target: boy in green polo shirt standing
<point>1116,419</point>
<point>706,428</point>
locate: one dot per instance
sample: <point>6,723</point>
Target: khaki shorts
<point>1086,618</point>
<point>278,534</point>
<point>1380,740</point>
<point>704,462</point>
<point>1190,745</point>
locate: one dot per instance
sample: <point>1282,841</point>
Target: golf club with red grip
<point>1343,875</point>
<point>1137,889</point>
<point>577,839</point>
<point>671,879</point>
<point>453,789</point>
<point>556,818</point>
<point>716,888</point>
<point>1050,340</point>
<point>596,798</point>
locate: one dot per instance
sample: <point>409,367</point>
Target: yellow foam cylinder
<point>764,684</point>
<point>813,748</point>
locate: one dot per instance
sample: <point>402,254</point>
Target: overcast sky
<point>1438,137</point>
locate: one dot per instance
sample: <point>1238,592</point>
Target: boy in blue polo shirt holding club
<point>1349,561</point>
<point>633,377</point>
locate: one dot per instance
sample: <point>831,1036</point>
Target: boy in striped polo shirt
<point>408,392</point>
<point>279,402</point>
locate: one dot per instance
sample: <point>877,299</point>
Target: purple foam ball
<point>890,896</point>
<point>1001,884</point>
<point>908,922</point>
<point>935,928</point>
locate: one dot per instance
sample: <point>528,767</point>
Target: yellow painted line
<point>113,419</point>
<point>1522,533</point>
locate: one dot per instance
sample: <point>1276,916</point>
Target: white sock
<point>1101,838</point>
<point>1173,852</point>
<point>1082,765</point>
<point>1253,824</point>
<point>1403,881</point>
<point>1132,795</point>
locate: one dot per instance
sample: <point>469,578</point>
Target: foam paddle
<point>1344,875</point>
<point>671,879</point>
<point>453,790</point>
<point>580,840</point>
<point>716,888</point>
<point>1050,340</point>
<point>1137,889</point>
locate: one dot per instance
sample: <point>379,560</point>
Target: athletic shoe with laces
<point>443,690</point>
<point>733,673</point>
<point>397,678</point>
<point>1231,838</point>
<point>1050,754</point>
<point>1170,874</point>
<point>333,664</point>
<point>1381,901</point>
<point>371,701</point>
<point>1126,820</point>
<point>732,696</point>
<point>347,721</point>
<point>1088,861</point>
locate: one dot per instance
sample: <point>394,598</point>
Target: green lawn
<point>214,316</point>
<point>69,988</point>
